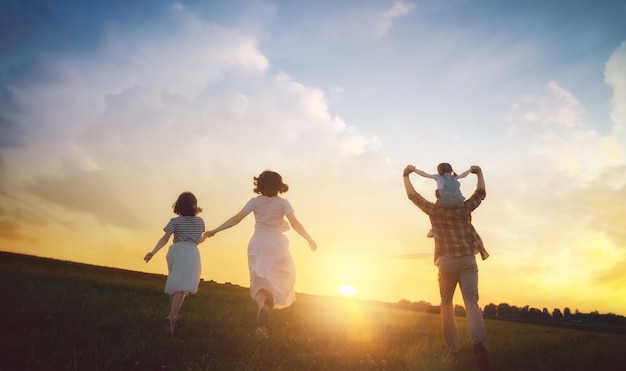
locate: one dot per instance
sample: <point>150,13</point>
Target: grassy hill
<point>58,315</point>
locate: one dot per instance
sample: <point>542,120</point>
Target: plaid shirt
<point>454,233</point>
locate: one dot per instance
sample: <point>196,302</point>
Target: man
<point>456,244</point>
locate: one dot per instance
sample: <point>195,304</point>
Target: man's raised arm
<point>481,179</point>
<point>408,186</point>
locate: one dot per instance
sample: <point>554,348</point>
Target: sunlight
<point>347,290</point>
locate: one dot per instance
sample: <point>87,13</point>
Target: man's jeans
<point>463,271</point>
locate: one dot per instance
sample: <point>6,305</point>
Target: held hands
<point>408,170</point>
<point>475,169</point>
<point>208,234</point>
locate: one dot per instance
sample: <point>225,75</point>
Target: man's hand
<point>408,170</point>
<point>475,169</point>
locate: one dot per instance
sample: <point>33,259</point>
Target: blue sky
<point>110,109</point>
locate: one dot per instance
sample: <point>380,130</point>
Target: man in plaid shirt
<point>456,244</point>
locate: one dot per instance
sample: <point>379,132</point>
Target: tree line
<point>506,311</point>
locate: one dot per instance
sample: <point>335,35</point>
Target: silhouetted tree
<point>490,310</point>
<point>524,311</point>
<point>545,314</point>
<point>515,311</point>
<point>459,310</point>
<point>534,313</point>
<point>556,313</point>
<point>567,313</point>
<point>503,310</point>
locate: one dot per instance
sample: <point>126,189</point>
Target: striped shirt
<point>186,228</point>
<point>454,233</point>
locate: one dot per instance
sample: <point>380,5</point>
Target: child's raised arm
<point>464,174</point>
<point>424,174</point>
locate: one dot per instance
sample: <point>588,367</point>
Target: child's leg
<point>176,302</point>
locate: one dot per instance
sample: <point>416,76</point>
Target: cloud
<point>556,108</point>
<point>14,214</point>
<point>88,192</point>
<point>107,133</point>
<point>558,133</point>
<point>615,76</point>
<point>385,22</point>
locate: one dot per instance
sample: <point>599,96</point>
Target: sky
<point>110,109</point>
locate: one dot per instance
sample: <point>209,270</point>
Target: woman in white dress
<point>272,272</point>
<point>183,256</point>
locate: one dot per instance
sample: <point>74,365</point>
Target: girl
<point>448,190</point>
<point>272,272</point>
<point>183,256</point>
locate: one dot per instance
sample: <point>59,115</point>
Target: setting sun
<point>347,290</point>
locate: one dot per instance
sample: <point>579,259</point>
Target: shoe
<point>168,326</point>
<point>430,234</point>
<point>482,359</point>
<point>261,333</point>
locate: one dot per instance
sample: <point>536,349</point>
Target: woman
<point>272,272</point>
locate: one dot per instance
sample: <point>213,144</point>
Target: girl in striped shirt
<point>183,256</point>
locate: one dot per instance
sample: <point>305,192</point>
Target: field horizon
<point>65,315</point>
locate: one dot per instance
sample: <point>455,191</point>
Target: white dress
<point>269,261</point>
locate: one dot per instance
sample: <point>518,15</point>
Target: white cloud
<point>559,135</point>
<point>615,76</point>
<point>398,9</point>
<point>175,113</point>
<point>556,107</point>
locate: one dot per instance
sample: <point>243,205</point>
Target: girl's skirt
<point>184,268</point>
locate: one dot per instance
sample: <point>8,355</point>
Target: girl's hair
<point>186,205</point>
<point>269,183</point>
<point>444,168</point>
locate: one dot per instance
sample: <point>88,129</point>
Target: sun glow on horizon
<point>347,290</point>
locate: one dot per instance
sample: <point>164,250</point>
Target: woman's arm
<point>298,227</point>
<point>230,222</point>
<point>162,241</point>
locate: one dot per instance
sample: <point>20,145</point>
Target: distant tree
<point>524,311</point>
<point>567,313</point>
<point>556,313</point>
<point>534,313</point>
<point>503,310</point>
<point>545,314</point>
<point>490,310</point>
<point>515,311</point>
<point>459,310</point>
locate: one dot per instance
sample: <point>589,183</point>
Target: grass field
<point>65,316</point>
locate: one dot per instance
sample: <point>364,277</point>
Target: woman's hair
<point>269,183</point>
<point>444,168</point>
<point>186,205</point>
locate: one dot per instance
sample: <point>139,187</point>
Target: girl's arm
<point>464,174</point>
<point>230,222</point>
<point>423,173</point>
<point>162,241</point>
<point>298,227</point>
